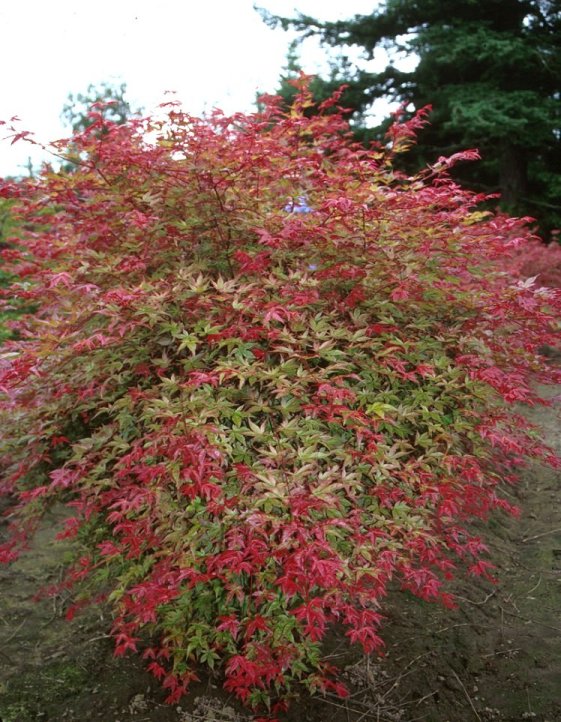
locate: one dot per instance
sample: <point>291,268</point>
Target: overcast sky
<point>211,52</point>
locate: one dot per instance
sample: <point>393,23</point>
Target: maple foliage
<point>269,375</point>
<point>537,261</point>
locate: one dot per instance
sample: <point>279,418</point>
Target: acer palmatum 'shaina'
<point>269,374</point>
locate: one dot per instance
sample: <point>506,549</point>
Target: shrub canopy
<point>270,376</point>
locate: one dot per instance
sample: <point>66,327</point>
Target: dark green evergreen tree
<point>491,69</point>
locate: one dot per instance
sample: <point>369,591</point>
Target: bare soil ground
<point>497,658</point>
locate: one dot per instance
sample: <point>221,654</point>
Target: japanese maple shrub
<point>269,375</point>
<point>538,261</point>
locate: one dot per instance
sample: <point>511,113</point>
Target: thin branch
<point>462,685</point>
<point>539,536</point>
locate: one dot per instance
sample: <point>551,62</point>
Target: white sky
<point>211,52</point>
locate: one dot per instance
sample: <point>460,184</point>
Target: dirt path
<point>496,658</point>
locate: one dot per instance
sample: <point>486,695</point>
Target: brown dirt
<point>497,658</point>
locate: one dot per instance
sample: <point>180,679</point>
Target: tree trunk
<point>513,178</point>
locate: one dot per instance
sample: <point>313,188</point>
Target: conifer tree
<point>491,70</point>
